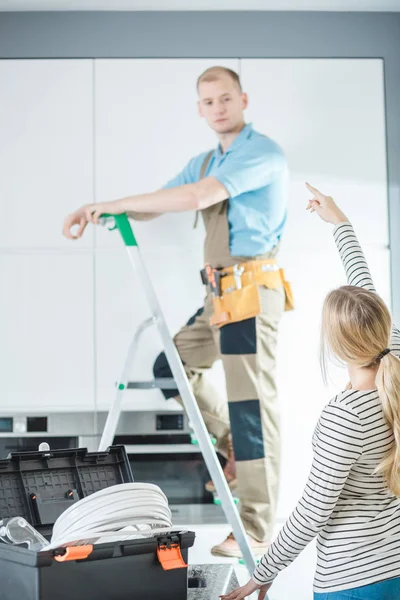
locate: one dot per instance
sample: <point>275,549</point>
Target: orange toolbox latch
<point>169,553</point>
<point>73,553</point>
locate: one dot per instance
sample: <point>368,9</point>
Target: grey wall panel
<point>198,34</point>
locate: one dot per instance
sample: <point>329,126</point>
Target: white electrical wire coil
<point>120,512</point>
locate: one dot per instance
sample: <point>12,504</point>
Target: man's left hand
<point>93,212</point>
<point>247,590</point>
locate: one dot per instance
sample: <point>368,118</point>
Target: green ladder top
<point>121,222</point>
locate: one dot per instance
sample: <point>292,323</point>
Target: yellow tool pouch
<point>287,286</point>
<point>236,305</point>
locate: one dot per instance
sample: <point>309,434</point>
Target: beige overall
<point>248,353</point>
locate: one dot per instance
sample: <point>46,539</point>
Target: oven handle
<point>162,449</point>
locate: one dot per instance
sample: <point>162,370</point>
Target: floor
<point>294,583</point>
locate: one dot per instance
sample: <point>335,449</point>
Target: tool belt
<point>235,290</point>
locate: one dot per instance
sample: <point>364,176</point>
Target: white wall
<point>46,299</point>
<point>68,310</point>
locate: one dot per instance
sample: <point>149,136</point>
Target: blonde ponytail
<point>388,385</point>
<point>356,328</point>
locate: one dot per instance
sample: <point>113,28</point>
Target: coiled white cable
<point>120,512</point>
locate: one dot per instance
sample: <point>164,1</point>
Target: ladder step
<point>195,441</point>
<point>241,561</point>
<point>165,383</point>
<point>218,502</point>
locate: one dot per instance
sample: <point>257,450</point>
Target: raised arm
<point>353,259</point>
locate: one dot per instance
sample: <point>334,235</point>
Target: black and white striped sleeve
<point>353,259</point>
<point>338,442</point>
<point>356,268</point>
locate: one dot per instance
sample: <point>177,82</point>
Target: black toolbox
<point>39,486</point>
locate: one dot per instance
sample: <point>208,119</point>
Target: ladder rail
<point>115,411</point>
<point>183,385</point>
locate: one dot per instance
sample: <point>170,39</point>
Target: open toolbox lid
<point>39,486</point>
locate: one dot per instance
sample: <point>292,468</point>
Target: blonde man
<point>240,190</point>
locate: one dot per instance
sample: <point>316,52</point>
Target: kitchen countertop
<point>208,582</point>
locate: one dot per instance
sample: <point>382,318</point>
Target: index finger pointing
<point>314,190</point>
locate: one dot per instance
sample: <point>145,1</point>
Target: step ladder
<point>179,381</point>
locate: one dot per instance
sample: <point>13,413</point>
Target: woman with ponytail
<point>351,501</point>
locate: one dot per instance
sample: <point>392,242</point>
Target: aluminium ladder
<point>179,381</point>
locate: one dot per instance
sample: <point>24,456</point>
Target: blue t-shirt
<point>254,171</point>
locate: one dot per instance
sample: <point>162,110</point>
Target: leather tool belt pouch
<point>236,295</point>
<point>287,286</point>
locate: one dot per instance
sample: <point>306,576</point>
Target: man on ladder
<point>240,190</point>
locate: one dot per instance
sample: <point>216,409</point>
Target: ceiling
<point>154,5</point>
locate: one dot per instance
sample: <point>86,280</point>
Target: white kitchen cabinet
<point>46,332</point>
<point>46,149</point>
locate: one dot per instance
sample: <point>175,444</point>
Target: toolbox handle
<point>74,553</point>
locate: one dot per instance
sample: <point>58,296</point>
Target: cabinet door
<point>147,129</point>
<point>46,149</point>
<point>46,170</point>
<point>328,116</point>
<point>46,331</point>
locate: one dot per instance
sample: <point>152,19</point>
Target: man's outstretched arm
<point>192,196</point>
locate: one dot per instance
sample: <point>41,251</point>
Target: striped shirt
<point>351,511</point>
